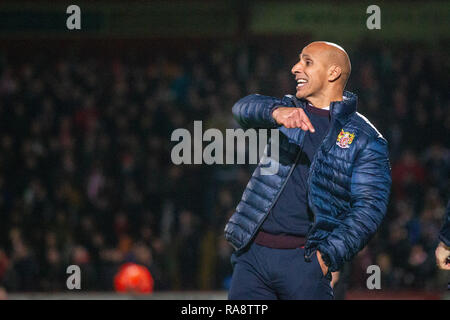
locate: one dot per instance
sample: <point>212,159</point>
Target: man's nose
<point>296,68</point>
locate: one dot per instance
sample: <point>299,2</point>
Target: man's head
<point>322,71</point>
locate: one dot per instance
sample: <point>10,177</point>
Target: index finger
<point>305,120</point>
<point>308,124</point>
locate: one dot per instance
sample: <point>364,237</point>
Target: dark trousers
<point>262,273</point>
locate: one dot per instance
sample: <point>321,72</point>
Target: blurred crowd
<point>86,176</point>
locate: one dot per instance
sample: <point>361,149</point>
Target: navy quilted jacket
<point>349,184</point>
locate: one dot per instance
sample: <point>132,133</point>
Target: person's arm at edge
<point>444,234</point>
<point>442,251</point>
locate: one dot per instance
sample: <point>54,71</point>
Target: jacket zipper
<point>311,169</point>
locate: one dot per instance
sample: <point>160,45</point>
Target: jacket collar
<point>341,110</point>
<point>340,114</point>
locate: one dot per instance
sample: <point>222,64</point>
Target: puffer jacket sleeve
<point>370,189</point>
<point>255,111</point>
<point>444,235</point>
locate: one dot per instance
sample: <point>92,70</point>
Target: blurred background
<point>86,118</point>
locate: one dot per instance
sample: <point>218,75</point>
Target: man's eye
<point>308,62</point>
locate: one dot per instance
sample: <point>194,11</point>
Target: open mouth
<point>301,82</point>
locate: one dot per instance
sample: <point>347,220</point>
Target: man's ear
<point>334,73</point>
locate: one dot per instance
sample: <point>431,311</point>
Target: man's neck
<point>324,101</point>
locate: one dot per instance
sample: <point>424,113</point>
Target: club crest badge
<point>345,139</point>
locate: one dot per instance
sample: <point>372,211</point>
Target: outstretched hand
<point>292,118</point>
<point>443,256</point>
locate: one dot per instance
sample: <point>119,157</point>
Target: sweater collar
<point>340,110</point>
<point>319,111</point>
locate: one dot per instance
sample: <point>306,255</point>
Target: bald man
<point>292,230</point>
